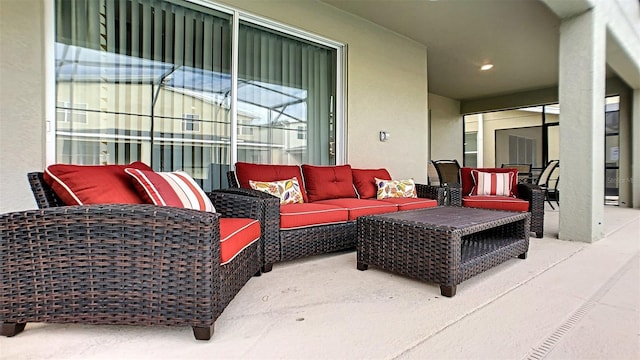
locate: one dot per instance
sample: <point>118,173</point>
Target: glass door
<point>612,150</point>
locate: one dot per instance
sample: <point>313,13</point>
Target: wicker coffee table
<point>445,245</point>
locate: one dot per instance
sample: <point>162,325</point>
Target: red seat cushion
<point>411,203</point>
<point>328,182</point>
<point>361,207</point>
<point>364,180</point>
<point>264,172</point>
<point>294,216</point>
<point>235,235</point>
<point>467,180</point>
<point>496,203</point>
<point>94,184</point>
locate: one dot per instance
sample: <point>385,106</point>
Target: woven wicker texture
<point>119,264</point>
<point>445,245</point>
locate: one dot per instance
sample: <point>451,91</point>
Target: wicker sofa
<point>525,197</point>
<point>334,196</point>
<point>127,264</point>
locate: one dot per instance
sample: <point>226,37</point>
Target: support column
<point>581,94</point>
<point>635,149</point>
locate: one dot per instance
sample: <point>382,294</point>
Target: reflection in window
<point>151,80</point>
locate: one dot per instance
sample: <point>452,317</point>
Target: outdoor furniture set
<point>122,244</point>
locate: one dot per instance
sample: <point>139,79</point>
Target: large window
<point>155,81</point>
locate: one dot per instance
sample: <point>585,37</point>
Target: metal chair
<point>448,171</point>
<point>449,177</point>
<point>546,177</point>
<point>524,171</point>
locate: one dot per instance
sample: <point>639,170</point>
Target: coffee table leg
<point>448,291</point>
<point>362,266</point>
<point>523,255</point>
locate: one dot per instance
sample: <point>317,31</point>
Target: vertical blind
<point>150,80</point>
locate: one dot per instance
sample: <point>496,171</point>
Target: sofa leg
<point>448,291</point>
<point>258,273</point>
<point>202,332</point>
<point>523,255</point>
<point>267,267</point>
<point>362,266</point>
<point>539,234</point>
<point>11,329</point>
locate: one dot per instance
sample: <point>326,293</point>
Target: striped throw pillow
<point>177,189</point>
<point>491,183</point>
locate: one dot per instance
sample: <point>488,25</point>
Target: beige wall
<point>386,84</point>
<point>446,136</point>
<point>387,90</point>
<point>22,136</point>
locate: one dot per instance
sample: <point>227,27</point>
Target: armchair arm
<point>535,195</point>
<point>269,216</point>
<point>233,205</point>
<point>531,192</point>
<point>454,194</point>
<point>125,264</point>
<point>431,192</point>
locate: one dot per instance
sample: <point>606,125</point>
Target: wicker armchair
<point>119,264</point>
<point>528,192</point>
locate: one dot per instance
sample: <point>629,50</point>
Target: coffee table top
<point>451,217</point>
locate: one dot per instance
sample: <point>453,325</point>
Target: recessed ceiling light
<point>486,67</point>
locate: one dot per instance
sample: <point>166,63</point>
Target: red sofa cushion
<point>496,203</point>
<point>364,180</point>
<point>328,182</point>
<point>265,172</point>
<point>361,207</point>
<point>235,235</point>
<point>467,180</point>
<point>294,216</point>
<point>411,203</point>
<point>94,184</point>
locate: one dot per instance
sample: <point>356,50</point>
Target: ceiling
<point>519,37</point>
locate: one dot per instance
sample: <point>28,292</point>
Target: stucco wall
<point>446,128</point>
<point>386,84</point>
<point>22,137</point>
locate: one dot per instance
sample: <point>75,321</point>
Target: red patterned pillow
<point>491,183</point>
<point>177,189</point>
<point>93,184</point>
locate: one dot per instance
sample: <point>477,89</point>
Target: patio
<point>566,300</point>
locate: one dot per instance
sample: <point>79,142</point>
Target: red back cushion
<point>364,180</point>
<point>328,182</point>
<point>467,179</point>
<point>94,184</point>
<point>265,172</point>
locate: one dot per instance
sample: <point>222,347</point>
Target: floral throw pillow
<point>287,190</point>
<point>396,188</point>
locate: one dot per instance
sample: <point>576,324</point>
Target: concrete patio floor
<point>567,300</point>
